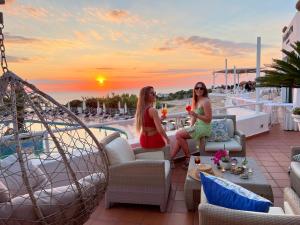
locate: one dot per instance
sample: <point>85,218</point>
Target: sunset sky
<point>107,45</point>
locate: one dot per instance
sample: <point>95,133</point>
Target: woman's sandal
<point>186,163</point>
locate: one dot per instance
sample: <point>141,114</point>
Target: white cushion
<point>11,175</point>
<point>119,151</point>
<point>157,155</point>
<point>276,211</point>
<point>4,194</point>
<point>288,209</point>
<point>231,145</point>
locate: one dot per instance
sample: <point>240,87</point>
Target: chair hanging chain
<point>2,47</point>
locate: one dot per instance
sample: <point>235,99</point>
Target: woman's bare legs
<point>181,142</point>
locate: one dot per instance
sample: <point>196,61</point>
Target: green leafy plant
<point>296,111</point>
<point>283,73</point>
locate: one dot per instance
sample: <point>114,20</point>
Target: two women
<point>148,122</point>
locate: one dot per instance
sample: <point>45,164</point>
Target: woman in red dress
<point>148,122</point>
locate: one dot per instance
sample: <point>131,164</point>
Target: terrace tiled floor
<point>272,152</point>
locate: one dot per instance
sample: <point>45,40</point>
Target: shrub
<point>296,111</point>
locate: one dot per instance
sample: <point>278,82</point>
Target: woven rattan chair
<point>51,172</point>
<point>134,176</point>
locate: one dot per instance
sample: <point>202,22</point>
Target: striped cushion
<point>296,158</point>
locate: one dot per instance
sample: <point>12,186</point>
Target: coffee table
<point>256,183</point>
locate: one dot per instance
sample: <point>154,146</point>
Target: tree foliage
<point>283,73</point>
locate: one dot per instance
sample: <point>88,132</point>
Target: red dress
<point>150,141</point>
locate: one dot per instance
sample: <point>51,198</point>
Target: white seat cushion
<point>232,145</point>
<point>11,175</point>
<point>276,211</point>
<point>157,155</point>
<point>119,151</point>
<point>4,194</point>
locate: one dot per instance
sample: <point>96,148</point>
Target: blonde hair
<point>140,107</point>
<point>195,97</point>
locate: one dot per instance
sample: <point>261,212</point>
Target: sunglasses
<point>153,93</point>
<point>199,88</point>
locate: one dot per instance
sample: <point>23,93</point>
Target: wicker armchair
<point>134,177</point>
<point>292,193</point>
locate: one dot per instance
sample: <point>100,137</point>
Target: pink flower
<point>221,154</point>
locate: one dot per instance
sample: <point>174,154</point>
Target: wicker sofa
<point>135,175</point>
<point>236,145</point>
<point>215,215</point>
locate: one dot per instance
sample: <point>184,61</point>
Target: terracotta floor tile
<point>278,202</point>
<point>277,192</point>
<point>179,207</point>
<point>179,196</point>
<point>283,183</point>
<point>280,176</point>
<point>269,163</point>
<point>181,219</point>
<point>274,169</point>
<point>156,218</point>
<point>272,183</point>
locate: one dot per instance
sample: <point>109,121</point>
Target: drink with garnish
<point>197,160</point>
<point>188,108</point>
<point>164,111</point>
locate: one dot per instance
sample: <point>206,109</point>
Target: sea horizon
<point>64,97</point>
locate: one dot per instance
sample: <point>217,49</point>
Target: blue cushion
<point>229,195</point>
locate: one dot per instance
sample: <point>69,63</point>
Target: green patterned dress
<point>200,128</point>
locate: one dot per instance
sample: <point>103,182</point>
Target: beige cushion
<point>295,176</point>
<point>232,145</point>
<point>276,211</point>
<point>11,175</point>
<point>52,201</point>
<point>288,209</point>
<point>158,155</point>
<point>119,151</point>
<point>293,200</point>
<point>4,194</point>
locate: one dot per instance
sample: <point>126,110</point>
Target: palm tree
<point>283,73</point>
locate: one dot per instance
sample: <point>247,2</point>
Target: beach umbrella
<point>98,107</point>
<point>119,106</point>
<point>125,108</point>
<point>83,105</point>
<point>104,108</point>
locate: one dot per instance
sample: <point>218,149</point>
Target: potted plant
<point>296,115</point>
<point>222,159</point>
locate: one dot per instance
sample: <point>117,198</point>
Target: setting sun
<point>100,80</point>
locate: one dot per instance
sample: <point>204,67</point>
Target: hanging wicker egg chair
<point>52,168</point>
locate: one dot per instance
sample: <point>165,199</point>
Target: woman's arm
<point>207,117</point>
<point>157,121</point>
<point>193,120</point>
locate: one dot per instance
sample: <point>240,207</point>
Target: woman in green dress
<point>201,115</point>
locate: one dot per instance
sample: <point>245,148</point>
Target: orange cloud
<point>209,46</point>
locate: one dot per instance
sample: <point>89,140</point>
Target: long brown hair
<point>195,97</point>
<point>141,106</point>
